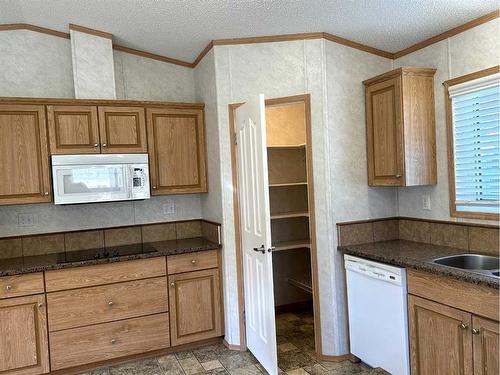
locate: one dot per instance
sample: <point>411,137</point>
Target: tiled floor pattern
<point>295,335</point>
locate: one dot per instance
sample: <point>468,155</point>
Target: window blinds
<point>476,136</point>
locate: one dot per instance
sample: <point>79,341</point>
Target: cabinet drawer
<point>81,307</point>
<point>104,274</point>
<point>21,285</point>
<point>102,342</point>
<point>192,262</point>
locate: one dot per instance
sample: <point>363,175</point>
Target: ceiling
<point>181,29</point>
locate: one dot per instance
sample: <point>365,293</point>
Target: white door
<point>256,232</point>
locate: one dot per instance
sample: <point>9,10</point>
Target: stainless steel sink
<point>473,262</point>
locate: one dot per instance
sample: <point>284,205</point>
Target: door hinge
<point>235,139</point>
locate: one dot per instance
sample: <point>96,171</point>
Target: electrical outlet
<point>426,202</point>
<point>168,208</point>
<point>26,220</point>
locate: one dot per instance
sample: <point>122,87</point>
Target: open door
<point>255,221</point>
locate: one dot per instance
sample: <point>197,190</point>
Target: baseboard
<point>233,347</point>
<point>338,358</point>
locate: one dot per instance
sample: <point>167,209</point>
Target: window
<point>473,113</point>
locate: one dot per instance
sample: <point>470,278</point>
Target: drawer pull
<point>464,326</point>
<point>476,331</point>
<point>8,287</point>
<point>172,284</point>
<point>40,305</point>
<point>113,341</point>
<point>193,261</point>
<point>110,303</point>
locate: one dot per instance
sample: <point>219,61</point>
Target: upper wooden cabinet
<point>23,336</point>
<point>24,165</point>
<point>401,134</point>
<point>91,129</point>
<point>177,153</point>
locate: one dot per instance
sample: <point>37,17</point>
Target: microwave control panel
<point>140,181</point>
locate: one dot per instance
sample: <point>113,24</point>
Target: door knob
<point>110,303</point>
<point>172,284</point>
<point>476,331</point>
<point>464,326</point>
<point>8,287</point>
<point>96,144</point>
<point>262,249</point>
<point>104,145</point>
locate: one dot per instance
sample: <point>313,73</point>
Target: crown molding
<point>262,39</point>
<point>448,34</point>
<point>87,30</point>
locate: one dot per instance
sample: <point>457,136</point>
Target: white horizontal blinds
<point>476,135</point>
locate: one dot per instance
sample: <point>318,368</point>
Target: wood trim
<point>356,45</point>
<point>38,29</point>
<point>90,31</point>
<point>202,54</point>
<point>238,348</point>
<point>405,70</point>
<point>237,227</point>
<point>447,34</point>
<point>450,143</point>
<point>100,102</point>
<point>153,56</point>
<point>338,358</point>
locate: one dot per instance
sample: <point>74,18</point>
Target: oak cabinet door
<point>122,130</point>
<point>73,129</point>
<point>385,133</point>
<point>23,336</point>
<point>486,346</point>
<point>440,338</point>
<point>24,155</point>
<point>195,311</point>
<point>177,154</point>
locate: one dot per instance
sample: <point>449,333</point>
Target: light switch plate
<point>168,208</point>
<point>26,220</point>
<point>426,202</point>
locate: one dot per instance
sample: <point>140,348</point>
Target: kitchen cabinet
<point>195,309</point>
<point>441,342</point>
<point>24,165</point>
<point>23,336</point>
<point>81,129</point>
<point>401,134</point>
<point>453,324</point>
<point>177,152</point>
<point>486,346</point>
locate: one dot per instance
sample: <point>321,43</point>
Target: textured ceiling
<point>181,29</point>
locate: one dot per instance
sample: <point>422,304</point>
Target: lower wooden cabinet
<point>23,336</point>
<point>195,309</point>
<point>486,346</point>
<point>441,340</point>
<point>100,342</point>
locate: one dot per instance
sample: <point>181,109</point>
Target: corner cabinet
<point>23,336</point>
<point>401,134</point>
<point>177,151</point>
<point>24,159</point>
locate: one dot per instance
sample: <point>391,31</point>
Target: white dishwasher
<point>378,317</point>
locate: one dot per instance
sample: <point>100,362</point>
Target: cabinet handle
<point>113,341</point>
<point>154,187</point>
<point>104,145</point>
<point>40,305</point>
<point>172,284</point>
<point>110,303</point>
<point>8,287</point>
<point>464,326</point>
<point>193,261</point>
<point>46,193</point>
<point>476,331</point>
<point>398,176</point>
<point>96,144</point>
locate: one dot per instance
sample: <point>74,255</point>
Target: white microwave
<point>100,178</point>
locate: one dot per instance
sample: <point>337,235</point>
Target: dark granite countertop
<point>21,265</point>
<point>418,256</point>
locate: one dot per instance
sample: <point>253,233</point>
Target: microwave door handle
<point>130,179</point>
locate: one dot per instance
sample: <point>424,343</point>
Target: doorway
<point>290,192</point>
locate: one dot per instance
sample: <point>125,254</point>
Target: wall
<point>39,65</point>
<point>470,51</point>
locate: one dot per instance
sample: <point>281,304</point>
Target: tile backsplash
<point>106,238</point>
<point>469,237</point>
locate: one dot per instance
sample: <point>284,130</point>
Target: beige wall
<point>470,51</point>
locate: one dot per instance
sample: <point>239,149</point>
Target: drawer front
<point>102,274</point>
<point>102,342</point>
<point>100,304</point>
<point>192,262</point>
<point>21,285</point>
